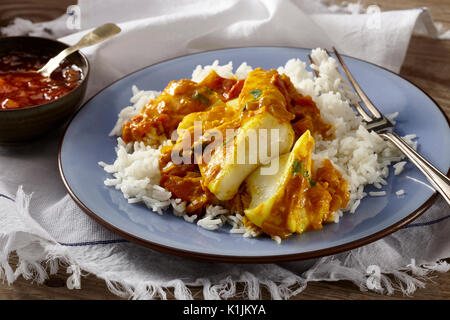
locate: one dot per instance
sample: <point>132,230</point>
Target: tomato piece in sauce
<point>20,88</point>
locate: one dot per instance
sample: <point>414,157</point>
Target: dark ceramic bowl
<point>19,125</point>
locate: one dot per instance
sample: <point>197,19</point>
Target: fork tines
<point>374,118</point>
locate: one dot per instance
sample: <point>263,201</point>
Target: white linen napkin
<point>41,223</point>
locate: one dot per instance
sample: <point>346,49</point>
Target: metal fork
<point>376,121</point>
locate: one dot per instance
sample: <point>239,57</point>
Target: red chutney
<point>20,88</point>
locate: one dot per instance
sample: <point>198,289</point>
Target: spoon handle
<point>95,36</point>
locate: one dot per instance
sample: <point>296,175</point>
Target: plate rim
<point>234,258</point>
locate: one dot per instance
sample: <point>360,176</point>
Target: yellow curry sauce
<point>319,193</point>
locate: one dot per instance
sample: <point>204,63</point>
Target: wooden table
<point>427,64</point>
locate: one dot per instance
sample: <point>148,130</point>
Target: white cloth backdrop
<point>40,222</point>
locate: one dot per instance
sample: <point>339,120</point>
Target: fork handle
<point>439,181</point>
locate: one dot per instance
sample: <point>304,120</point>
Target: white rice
<point>391,117</point>
<point>361,156</point>
<point>398,167</point>
<point>215,217</point>
<point>377,193</point>
<point>277,239</point>
<point>355,206</point>
<point>409,140</point>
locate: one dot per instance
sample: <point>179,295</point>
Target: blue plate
<point>86,142</point>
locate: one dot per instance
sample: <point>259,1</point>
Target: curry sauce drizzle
<point>328,194</point>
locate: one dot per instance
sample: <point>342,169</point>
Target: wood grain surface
<point>427,64</point>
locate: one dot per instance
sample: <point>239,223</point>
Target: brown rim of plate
<point>85,75</point>
<point>249,259</point>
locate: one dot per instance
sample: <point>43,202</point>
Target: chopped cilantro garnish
<point>256,93</point>
<point>203,99</point>
<point>209,91</point>
<point>298,166</point>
